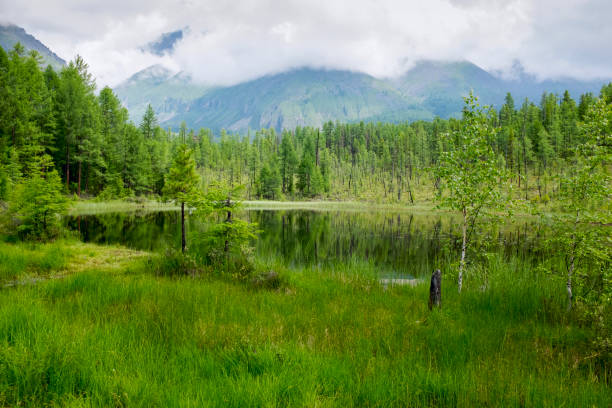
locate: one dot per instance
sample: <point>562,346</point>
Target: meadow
<point>117,329</point>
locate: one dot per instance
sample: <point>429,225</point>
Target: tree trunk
<point>570,270</point>
<point>399,188</point>
<point>228,219</point>
<point>569,283</point>
<point>435,289</point>
<point>67,168</point>
<point>317,150</point>
<point>183,240</point>
<point>79,180</point>
<point>463,247</point>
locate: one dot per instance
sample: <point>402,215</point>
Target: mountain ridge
<point>11,34</point>
<point>311,96</point>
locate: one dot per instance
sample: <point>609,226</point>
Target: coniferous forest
<point>97,151</point>
<point>296,263</point>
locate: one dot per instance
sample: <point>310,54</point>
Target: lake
<point>399,243</point>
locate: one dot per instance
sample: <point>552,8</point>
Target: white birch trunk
<point>463,245</point>
<point>569,283</point>
<point>570,270</point>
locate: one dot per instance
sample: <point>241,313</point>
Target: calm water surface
<point>398,243</point>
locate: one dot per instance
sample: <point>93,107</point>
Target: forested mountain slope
<point>310,97</point>
<point>11,34</point>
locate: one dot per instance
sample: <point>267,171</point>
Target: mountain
<point>440,86</point>
<point>167,92</point>
<point>164,44</point>
<point>300,97</point>
<point>308,96</point>
<point>11,34</point>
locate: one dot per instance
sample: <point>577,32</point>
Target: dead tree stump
<point>435,289</point>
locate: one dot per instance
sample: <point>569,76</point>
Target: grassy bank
<point>358,206</point>
<point>113,334</point>
<point>23,263</point>
<point>86,207</point>
<point>91,207</point>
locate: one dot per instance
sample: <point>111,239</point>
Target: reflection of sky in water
<point>399,245</point>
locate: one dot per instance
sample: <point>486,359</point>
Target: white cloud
<point>243,39</point>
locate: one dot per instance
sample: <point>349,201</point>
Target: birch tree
<point>469,174</point>
<point>581,230</point>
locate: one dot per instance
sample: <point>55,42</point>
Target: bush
<point>37,203</point>
<point>174,263</point>
<point>270,280</point>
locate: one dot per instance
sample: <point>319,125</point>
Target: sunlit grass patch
<point>88,207</point>
<point>25,262</point>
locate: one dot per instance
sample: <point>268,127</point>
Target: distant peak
<point>165,43</point>
<point>10,34</point>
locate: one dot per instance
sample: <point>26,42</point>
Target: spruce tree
<point>182,184</point>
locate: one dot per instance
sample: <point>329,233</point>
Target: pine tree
<point>306,169</point>
<point>149,123</point>
<point>288,161</point>
<point>182,184</point>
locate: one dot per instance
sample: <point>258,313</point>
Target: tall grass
<point>30,259</point>
<point>331,337</point>
<point>90,207</point>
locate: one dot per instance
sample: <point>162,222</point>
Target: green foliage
<point>37,202</point>
<point>174,263</point>
<point>149,123</point>
<point>582,232</point>
<point>182,182</point>
<point>18,261</point>
<point>182,185</point>
<point>334,338</point>
<point>288,162</point>
<point>98,152</point>
<point>470,172</point>
<point>226,244</point>
<point>269,183</point>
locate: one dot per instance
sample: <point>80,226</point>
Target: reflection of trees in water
<point>149,231</point>
<point>397,241</point>
<point>402,242</point>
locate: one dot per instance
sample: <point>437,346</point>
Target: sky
<point>232,41</point>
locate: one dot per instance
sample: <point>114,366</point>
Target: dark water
<point>398,243</point>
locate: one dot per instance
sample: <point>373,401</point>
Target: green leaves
<point>38,202</point>
<point>469,170</point>
<point>582,229</point>
<point>182,181</point>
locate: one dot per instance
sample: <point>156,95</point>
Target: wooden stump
<point>435,289</point>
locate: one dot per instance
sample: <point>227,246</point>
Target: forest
<point>544,165</point>
<point>98,152</point>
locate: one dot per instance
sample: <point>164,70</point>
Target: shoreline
<point>89,207</point>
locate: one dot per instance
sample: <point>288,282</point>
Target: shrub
<point>174,263</point>
<point>36,204</point>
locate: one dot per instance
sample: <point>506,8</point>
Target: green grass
<point>359,206</point>
<point>31,262</point>
<point>23,260</point>
<point>121,336</point>
<point>87,207</point>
